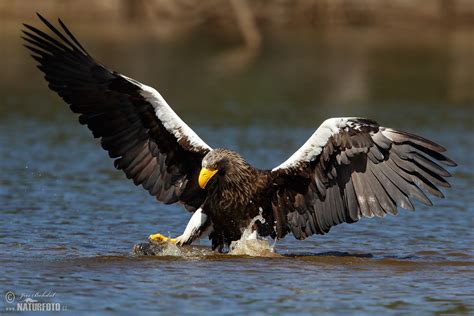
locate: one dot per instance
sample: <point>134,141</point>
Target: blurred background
<point>257,77</point>
<point>268,57</point>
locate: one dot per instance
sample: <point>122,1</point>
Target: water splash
<point>250,244</point>
<point>168,249</point>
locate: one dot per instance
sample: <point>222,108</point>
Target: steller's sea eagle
<point>348,169</point>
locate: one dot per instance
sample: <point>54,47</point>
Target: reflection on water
<point>69,220</point>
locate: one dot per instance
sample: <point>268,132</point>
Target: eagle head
<point>224,166</point>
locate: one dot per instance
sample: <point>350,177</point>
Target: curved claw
<point>160,238</point>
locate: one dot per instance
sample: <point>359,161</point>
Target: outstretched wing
<point>148,141</point>
<point>352,168</point>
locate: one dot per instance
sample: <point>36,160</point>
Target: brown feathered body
<point>236,195</point>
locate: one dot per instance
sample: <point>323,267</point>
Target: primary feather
<point>148,141</point>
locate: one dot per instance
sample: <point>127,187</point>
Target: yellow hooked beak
<point>204,176</point>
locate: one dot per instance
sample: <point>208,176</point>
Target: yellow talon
<point>160,238</point>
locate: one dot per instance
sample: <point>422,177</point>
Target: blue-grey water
<point>69,220</point>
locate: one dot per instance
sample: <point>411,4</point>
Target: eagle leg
<point>198,226</point>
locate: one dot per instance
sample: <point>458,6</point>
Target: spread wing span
<point>148,141</point>
<point>352,168</point>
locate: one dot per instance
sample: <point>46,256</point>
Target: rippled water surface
<point>69,220</point>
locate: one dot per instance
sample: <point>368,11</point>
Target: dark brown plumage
<point>115,111</point>
<point>350,168</point>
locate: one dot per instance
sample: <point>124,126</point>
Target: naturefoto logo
<point>33,302</point>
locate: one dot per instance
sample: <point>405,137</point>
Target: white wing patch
<point>314,145</point>
<point>171,121</point>
<point>386,132</point>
